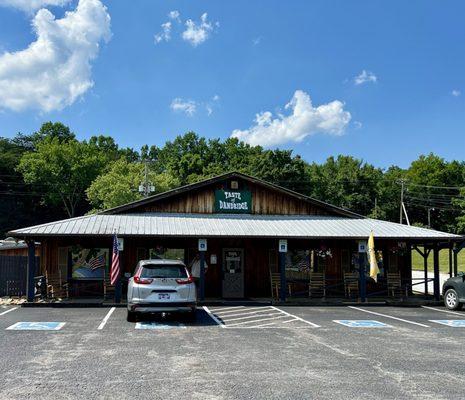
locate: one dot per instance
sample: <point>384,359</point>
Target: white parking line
<point>390,316</point>
<point>250,316</point>
<point>104,321</point>
<point>244,310</point>
<point>255,320</point>
<point>437,309</point>
<point>213,317</point>
<point>256,312</point>
<point>226,308</point>
<point>7,311</point>
<point>295,316</point>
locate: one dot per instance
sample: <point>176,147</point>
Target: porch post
<point>436,273</point>
<point>450,261</point>
<point>456,251</point>
<point>31,270</point>
<point>282,268</point>
<point>363,280</point>
<point>202,275</point>
<point>425,266</point>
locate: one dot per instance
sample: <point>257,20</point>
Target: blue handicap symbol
<point>157,325</point>
<point>36,326</point>
<point>361,323</point>
<point>455,323</point>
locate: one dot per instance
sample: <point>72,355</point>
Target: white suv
<point>161,286</point>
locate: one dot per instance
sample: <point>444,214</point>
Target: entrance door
<point>233,273</point>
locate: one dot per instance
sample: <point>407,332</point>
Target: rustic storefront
<point>243,219</point>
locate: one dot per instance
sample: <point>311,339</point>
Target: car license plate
<point>163,296</point>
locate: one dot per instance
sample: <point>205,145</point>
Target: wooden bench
<point>317,284</point>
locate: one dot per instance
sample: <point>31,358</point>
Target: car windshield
<point>163,271</point>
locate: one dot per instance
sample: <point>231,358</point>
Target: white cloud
<point>175,15</point>
<point>456,93</point>
<point>365,77</point>
<point>165,34</point>
<point>304,120</point>
<point>357,124</point>
<point>188,107</point>
<point>55,70</point>
<point>197,33</point>
<point>257,41</point>
<point>30,6</point>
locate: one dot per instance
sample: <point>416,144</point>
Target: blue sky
<point>105,71</point>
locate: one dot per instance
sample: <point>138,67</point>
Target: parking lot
<point>233,352</point>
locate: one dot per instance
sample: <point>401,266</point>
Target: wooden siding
<point>264,201</point>
<point>260,256</point>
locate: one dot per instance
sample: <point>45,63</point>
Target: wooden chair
<point>56,286</point>
<point>350,284</point>
<point>108,288</point>
<point>276,286</point>
<point>317,284</point>
<point>394,285</point>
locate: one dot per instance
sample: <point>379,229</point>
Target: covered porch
<point>243,255</point>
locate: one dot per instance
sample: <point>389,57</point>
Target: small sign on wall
<point>213,259</point>
<point>283,246</point>
<point>120,244</point>
<point>202,244</point>
<point>362,246</point>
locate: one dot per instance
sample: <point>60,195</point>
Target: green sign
<point>233,201</point>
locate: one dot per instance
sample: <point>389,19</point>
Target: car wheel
<point>451,300</point>
<point>131,316</point>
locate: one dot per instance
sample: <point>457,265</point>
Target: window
<point>166,254</point>
<point>163,271</point>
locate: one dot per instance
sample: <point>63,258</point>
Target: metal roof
<point>228,225</point>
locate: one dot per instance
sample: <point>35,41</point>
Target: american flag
<point>97,262</point>
<point>114,270</point>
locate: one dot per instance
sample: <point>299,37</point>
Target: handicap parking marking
<point>9,310</point>
<point>362,323</point>
<point>390,316</point>
<point>257,317</point>
<point>152,325</point>
<point>213,316</point>
<point>454,323</point>
<point>36,326</point>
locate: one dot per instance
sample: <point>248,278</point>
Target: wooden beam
<point>31,269</point>
<point>436,285</point>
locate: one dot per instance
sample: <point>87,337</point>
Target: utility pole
<point>146,187</point>
<point>402,181</point>
<point>429,216</point>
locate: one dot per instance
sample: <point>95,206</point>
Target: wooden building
<point>243,220</point>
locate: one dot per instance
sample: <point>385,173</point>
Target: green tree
<point>346,182</point>
<point>65,169</point>
<point>119,185</point>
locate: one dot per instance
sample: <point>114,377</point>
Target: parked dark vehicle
<point>454,292</point>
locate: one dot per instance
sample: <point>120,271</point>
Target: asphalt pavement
<point>233,353</point>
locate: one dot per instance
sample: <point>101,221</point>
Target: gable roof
<point>229,175</point>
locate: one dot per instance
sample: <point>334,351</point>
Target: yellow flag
<point>374,270</point>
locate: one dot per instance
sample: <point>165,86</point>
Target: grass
<point>417,260</point>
